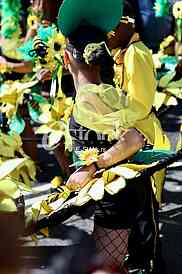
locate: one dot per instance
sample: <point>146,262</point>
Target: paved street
<point>170,214</point>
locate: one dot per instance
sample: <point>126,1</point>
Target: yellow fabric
<point>135,75</point>
<point>104,109</point>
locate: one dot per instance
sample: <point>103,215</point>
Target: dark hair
<point>131,9</point>
<point>84,35</point>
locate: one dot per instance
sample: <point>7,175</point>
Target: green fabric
<point>104,14</point>
<point>142,157</point>
<point>151,156</point>
<point>76,159</point>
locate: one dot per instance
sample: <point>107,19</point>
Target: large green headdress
<point>104,14</point>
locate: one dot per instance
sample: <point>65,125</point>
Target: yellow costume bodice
<point>135,76</point>
<point>102,109</point>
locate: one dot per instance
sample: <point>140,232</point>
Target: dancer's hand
<point>44,75</point>
<point>81,177</point>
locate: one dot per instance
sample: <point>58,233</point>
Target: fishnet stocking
<point>111,244</point>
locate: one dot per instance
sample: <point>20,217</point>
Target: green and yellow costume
<point>109,111</point>
<point>103,109</point>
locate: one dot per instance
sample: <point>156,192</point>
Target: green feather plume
<point>24,50</point>
<point>10,17</point>
<point>44,33</point>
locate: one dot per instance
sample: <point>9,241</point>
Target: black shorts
<point>121,210</point>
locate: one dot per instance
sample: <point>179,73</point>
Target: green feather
<point>17,124</point>
<point>34,113</point>
<point>45,33</point>
<point>38,98</point>
<point>10,18</point>
<point>24,50</point>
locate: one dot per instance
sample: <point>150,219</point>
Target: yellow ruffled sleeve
<point>139,80</point>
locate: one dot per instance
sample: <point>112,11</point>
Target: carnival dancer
<point>100,119</point>
<point>136,79</point>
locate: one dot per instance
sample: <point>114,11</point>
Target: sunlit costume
<point>135,77</point>
<point>101,109</point>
